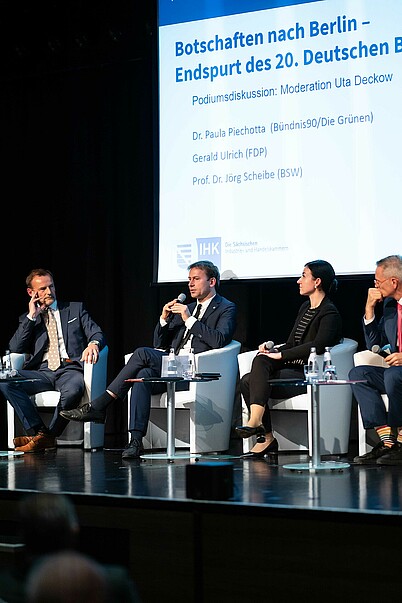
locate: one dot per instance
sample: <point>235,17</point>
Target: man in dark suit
<point>383,380</point>
<point>205,325</point>
<point>77,339</point>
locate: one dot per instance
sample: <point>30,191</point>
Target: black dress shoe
<point>84,413</point>
<point>133,450</point>
<point>269,451</point>
<point>371,458</point>
<point>394,456</point>
<point>246,432</point>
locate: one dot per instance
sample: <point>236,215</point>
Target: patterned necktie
<point>53,354</point>
<point>399,327</point>
<point>188,334</point>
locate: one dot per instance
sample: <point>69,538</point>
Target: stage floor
<point>299,535</point>
<point>366,489</point>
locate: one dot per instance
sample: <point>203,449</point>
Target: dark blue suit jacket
<point>78,330</point>
<point>384,331</point>
<point>214,330</point>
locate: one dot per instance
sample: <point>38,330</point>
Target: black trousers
<point>255,388</point>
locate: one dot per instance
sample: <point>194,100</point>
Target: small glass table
<point>315,463</point>
<point>170,455</point>
<point>14,379</point>
<point>9,454</point>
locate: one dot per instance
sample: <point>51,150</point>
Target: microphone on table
<point>383,352</point>
<point>181,298</point>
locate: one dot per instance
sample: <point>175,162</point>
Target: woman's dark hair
<point>323,270</point>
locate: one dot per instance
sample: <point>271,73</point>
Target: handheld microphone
<point>270,346</point>
<point>181,298</point>
<point>383,352</point>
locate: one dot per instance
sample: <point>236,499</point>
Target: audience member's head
<point>61,574</point>
<point>67,577</point>
<point>48,523</point>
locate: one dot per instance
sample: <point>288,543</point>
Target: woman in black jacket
<point>318,325</point>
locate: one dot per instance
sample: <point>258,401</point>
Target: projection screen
<point>279,130</point>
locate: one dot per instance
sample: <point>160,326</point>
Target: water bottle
<point>190,373</point>
<point>6,369</point>
<point>172,364</point>
<point>327,360</point>
<point>312,365</point>
<point>8,361</point>
<point>328,369</point>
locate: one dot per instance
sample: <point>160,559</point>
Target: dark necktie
<point>188,334</point>
<point>53,354</point>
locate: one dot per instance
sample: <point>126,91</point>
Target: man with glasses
<point>385,333</point>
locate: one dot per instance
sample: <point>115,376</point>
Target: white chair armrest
<point>245,360</point>
<point>213,360</point>
<point>95,376</point>
<point>17,360</point>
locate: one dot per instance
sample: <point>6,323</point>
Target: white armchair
<point>367,438</point>
<point>291,417</point>
<point>203,416</point>
<point>90,435</point>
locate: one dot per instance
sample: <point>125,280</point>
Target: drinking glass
<point>310,375</point>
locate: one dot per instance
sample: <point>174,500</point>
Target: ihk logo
<point>183,254</point>
<point>210,249</point>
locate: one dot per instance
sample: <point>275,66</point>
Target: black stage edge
<point>283,536</point>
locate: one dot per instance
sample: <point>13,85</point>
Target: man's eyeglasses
<point>377,282</point>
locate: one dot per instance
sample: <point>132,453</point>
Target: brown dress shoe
<point>22,440</point>
<point>41,441</point>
